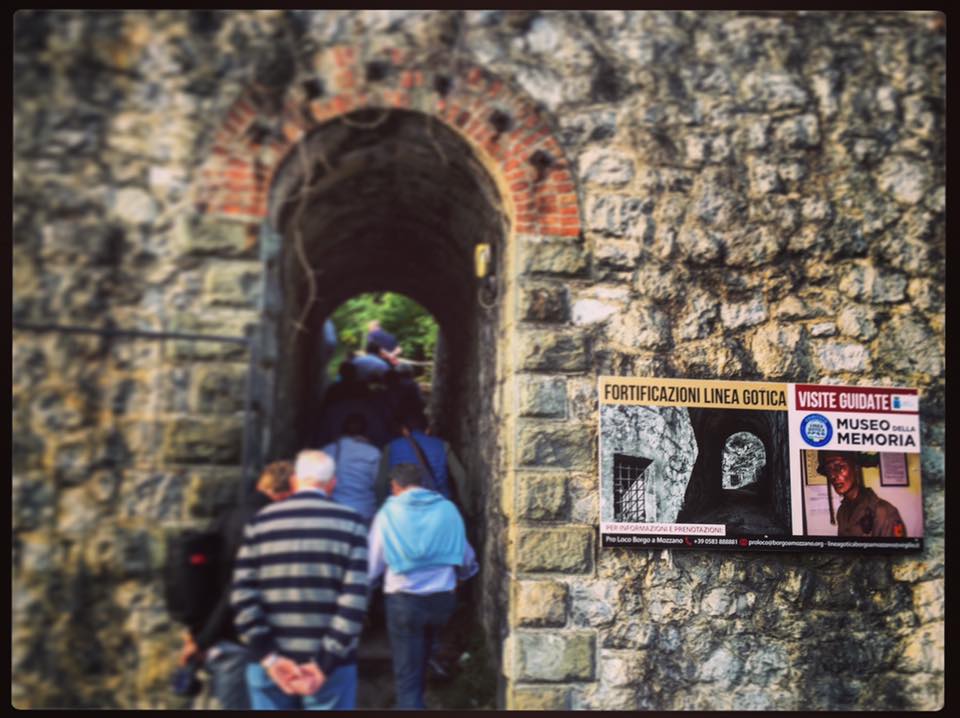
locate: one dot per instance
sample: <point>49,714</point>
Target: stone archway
<point>390,201</point>
<point>417,166</point>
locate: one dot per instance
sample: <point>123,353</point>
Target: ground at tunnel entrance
<point>470,685</point>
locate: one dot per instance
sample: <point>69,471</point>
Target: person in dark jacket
<point>442,470</point>
<point>216,641</point>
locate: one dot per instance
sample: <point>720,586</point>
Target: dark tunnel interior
<point>390,201</point>
<point>762,507</point>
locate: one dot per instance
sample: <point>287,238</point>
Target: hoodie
<point>422,529</point>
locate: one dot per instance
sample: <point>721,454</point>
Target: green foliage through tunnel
<point>412,325</point>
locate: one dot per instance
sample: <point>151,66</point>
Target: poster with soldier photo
<point>693,463</point>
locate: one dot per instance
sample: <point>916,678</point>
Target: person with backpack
<point>211,638</point>
<point>440,466</point>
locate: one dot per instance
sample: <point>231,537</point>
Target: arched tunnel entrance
<point>740,476</point>
<point>390,200</point>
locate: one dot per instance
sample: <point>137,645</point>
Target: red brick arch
<point>534,175</point>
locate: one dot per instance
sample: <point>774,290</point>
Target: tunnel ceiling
<point>386,200</point>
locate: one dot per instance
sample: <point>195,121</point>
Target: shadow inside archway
<point>394,201</point>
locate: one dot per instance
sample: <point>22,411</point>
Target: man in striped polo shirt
<point>299,594</point>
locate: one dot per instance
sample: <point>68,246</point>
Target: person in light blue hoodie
<point>418,543</point>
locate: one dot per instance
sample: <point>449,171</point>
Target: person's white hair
<point>314,467</point>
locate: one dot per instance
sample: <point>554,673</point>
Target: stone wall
<point>757,196</point>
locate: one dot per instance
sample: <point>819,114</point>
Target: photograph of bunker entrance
<point>568,195</point>
<point>696,466</point>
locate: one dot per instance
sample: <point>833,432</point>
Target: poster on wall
<point>739,465</point>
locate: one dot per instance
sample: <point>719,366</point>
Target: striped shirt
<point>300,581</point>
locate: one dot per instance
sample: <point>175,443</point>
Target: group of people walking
<point>315,541</point>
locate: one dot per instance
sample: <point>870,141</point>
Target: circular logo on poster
<point>816,430</point>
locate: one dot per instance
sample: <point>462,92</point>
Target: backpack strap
<point>424,464</point>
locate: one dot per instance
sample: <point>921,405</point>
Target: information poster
<point>702,464</point>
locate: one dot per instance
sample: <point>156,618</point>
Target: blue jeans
<point>412,622</point>
<point>227,675</point>
<point>339,691</point>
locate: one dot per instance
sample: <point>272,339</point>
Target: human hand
<point>189,650</point>
<point>311,679</point>
<point>284,672</point>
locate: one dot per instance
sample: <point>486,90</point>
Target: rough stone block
<point>617,253</point>
<point>555,445</point>
<point>218,237</point>
<point>923,650</point>
<point>587,126</point>
<point>771,91</point>
<point>542,496</point>
<point>905,179</point>
<point>928,600</point>
<point>780,351</point>
<point>233,284</point>
<point>798,132</point>
<point>545,397</point>
<point>633,633</point>
<point>133,206</point>
<point>192,440</point>
<point>553,656</point>
<point>622,668</point>
<point>793,307</point>
<point>539,698</point>
<point>868,284</point>
<point>756,248</point>
<point>712,358</point>
<point>553,351</point>
<point>926,294</point>
<point>605,167</point>
<point>597,308</point>
<point>600,697</point>
<point>218,388</point>
<point>834,356</point>
<point>857,322</point>
<point>642,325</point>
<point>699,315</point>
<point>540,603</point>
<point>122,551</point>
<point>907,344</point>
<point>228,324</point>
<point>35,554</point>
<point>619,215</point>
<point>584,498</point>
<point>33,501</point>
<point>211,490</point>
<point>71,458</point>
<point>544,304</point>
<point>152,495</point>
<point>594,603</point>
<point>549,256</point>
<point>563,550</point>
<point>737,315</point>
<point>78,511</point>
